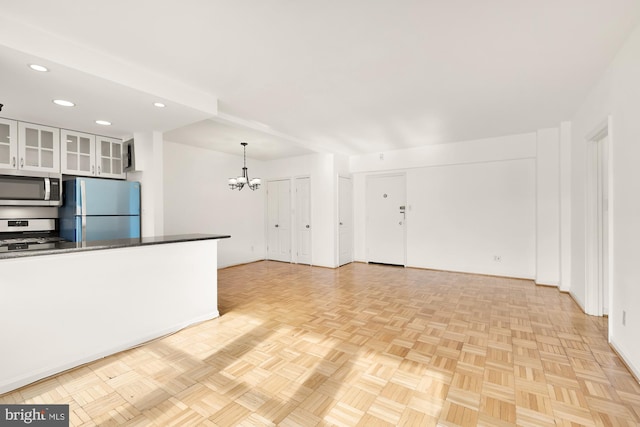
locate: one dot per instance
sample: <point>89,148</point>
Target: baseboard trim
<point>546,285</point>
<point>549,283</point>
<point>471,273</point>
<point>574,299</point>
<point>242,263</point>
<point>633,370</point>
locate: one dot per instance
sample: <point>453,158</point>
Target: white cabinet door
<point>278,220</point>
<point>109,158</point>
<point>38,148</point>
<point>78,153</point>
<point>8,144</point>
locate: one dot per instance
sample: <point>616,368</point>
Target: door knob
<point>276,225</point>
<point>307,226</point>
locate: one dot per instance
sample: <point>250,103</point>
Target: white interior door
<point>278,221</point>
<point>303,220</point>
<point>385,234</point>
<point>345,221</point>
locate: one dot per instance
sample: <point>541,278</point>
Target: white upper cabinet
<point>78,155</point>
<point>8,144</point>
<point>38,148</point>
<point>31,147</point>
<point>109,157</point>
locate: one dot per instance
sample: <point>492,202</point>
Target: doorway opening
<point>598,224</point>
<point>345,221</point>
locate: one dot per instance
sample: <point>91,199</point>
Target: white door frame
<point>594,286</point>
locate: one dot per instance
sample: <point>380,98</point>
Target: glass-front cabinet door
<point>8,144</point>
<point>109,157</point>
<point>39,148</point>
<point>78,155</point>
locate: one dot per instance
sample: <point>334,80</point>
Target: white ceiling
<point>226,137</point>
<point>350,76</point>
<point>27,95</point>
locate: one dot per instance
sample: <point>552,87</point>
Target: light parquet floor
<point>362,345</point>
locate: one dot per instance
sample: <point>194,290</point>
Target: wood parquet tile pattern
<point>362,345</point>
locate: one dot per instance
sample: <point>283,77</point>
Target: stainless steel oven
<point>32,189</point>
<point>28,234</point>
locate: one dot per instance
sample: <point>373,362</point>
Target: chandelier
<point>243,180</point>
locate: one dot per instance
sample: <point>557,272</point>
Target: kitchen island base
<point>63,310</point>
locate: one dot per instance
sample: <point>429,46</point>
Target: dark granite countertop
<point>68,247</point>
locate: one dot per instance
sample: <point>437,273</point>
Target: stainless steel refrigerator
<point>99,209</point>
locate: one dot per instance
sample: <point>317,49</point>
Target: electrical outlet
<point>624,318</point>
<point>497,258</point>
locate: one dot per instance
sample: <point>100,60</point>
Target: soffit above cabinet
<point>28,96</point>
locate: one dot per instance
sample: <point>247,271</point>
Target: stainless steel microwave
<point>30,189</point>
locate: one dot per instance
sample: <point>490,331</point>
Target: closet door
<point>279,220</point>
<point>303,220</point>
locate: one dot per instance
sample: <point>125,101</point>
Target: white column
<point>149,172</point>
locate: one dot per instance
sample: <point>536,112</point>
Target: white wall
<point>480,150</point>
<point>548,207</point>
<point>321,168</point>
<point>197,199</point>
<point>466,203</point>
<point>149,154</point>
<point>461,216</point>
<point>616,94</point>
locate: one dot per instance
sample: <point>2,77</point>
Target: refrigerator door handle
<point>83,209</point>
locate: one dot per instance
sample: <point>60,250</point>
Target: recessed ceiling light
<point>36,67</point>
<point>64,103</point>
<point>159,104</point>
<point>103,122</point>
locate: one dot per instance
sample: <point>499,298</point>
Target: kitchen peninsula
<point>73,303</point>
